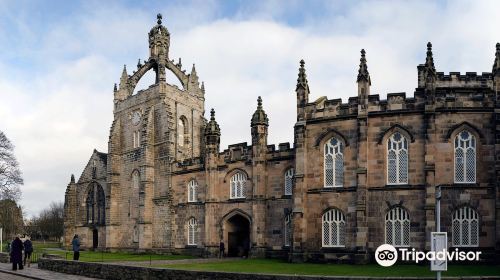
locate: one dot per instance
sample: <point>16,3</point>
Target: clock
<point>136,118</point>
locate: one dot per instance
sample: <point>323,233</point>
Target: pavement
<point>6,273</point>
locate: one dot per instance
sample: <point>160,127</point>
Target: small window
<point>333,229</point>
<point>397,159</point>
<point>465,158</point>
<point>465,227</point>
<point>192,191</point>
<point>192,231</point>
<point>237,185</point>
<point>137,140</point>
<point>289,181</point>
<point>334,163</point>
<point>397,227</point>
<point>288,230</point>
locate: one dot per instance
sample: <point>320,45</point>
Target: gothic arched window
<point>334,163</point>
<point>289,181</point>
<point>192,191</point>
<point>465,227</point>
<point>192,231</point>
<point>333,228</point>
<point>397,159</point>
<point>237,184</point>
<point>96,205</point>
<point>288,230</point>
<point>465,157</point>
<point>397,227</point>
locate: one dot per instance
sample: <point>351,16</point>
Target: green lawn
<point>90,256</point>
<point>267,266</point>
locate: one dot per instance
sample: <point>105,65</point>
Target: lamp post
<point>438,220</point>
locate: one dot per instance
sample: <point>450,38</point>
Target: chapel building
<point>358,175</point>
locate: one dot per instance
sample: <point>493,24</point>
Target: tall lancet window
<point>192,232</point>
<point>397,159</point>
<point>180,133</point>
<point>334,163</point>
<point>289,181</point>
<point>90,205</point>
<point>465,157</point>
<point>192,191</point>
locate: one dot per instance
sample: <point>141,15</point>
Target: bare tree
<point>49,224</point>
<point>10,175</point>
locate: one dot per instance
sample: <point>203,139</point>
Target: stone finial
<point>72,181</point>
<point>179,64</point>
<point>429,60</point>
<point>496,64</point>
<point>193,70</point>
<point>212,128</point>
<point>203,87</point>
<point>115,89</point>
<point>363,74</point>
<point>259,116</point>
<point>139,64</point>
<point>158,18</point>
<point>302,79</point>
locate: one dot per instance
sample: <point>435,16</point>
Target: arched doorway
<point>95,238</point>
<point>237,236</point>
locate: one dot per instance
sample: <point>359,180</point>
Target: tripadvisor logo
<point>387,255</point>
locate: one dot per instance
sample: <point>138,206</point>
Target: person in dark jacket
<point>16,253</point>
<point>28,249</point>
<point>76,247</point>
<point>222,249</point>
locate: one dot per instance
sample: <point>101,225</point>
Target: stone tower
<point>151,129</point>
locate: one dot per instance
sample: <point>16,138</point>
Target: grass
<point>267,266</point>
<point>91,256</point>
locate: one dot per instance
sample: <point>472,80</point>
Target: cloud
<point>57,94</point>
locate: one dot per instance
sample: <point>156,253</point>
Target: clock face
<point>136,118</point>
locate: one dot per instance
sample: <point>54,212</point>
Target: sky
<point>59,61</point>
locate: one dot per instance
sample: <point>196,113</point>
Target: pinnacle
<point>363,74</point>
<point>158,17</point>
<point>212,114</point>
<point>302,79</point>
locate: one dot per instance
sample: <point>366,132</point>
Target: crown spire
<point>363,74</point>
<point>496,64</point>
<point>302,79</point>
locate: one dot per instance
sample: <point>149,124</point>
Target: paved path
<point>33,272</point>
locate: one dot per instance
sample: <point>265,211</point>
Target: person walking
<point>16,253</point>
<point>76,247</point>
<point>222,249</point>
<point>28,249</point>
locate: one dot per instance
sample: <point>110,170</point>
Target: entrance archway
<point>237,236</point>
<point>95,238</point>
